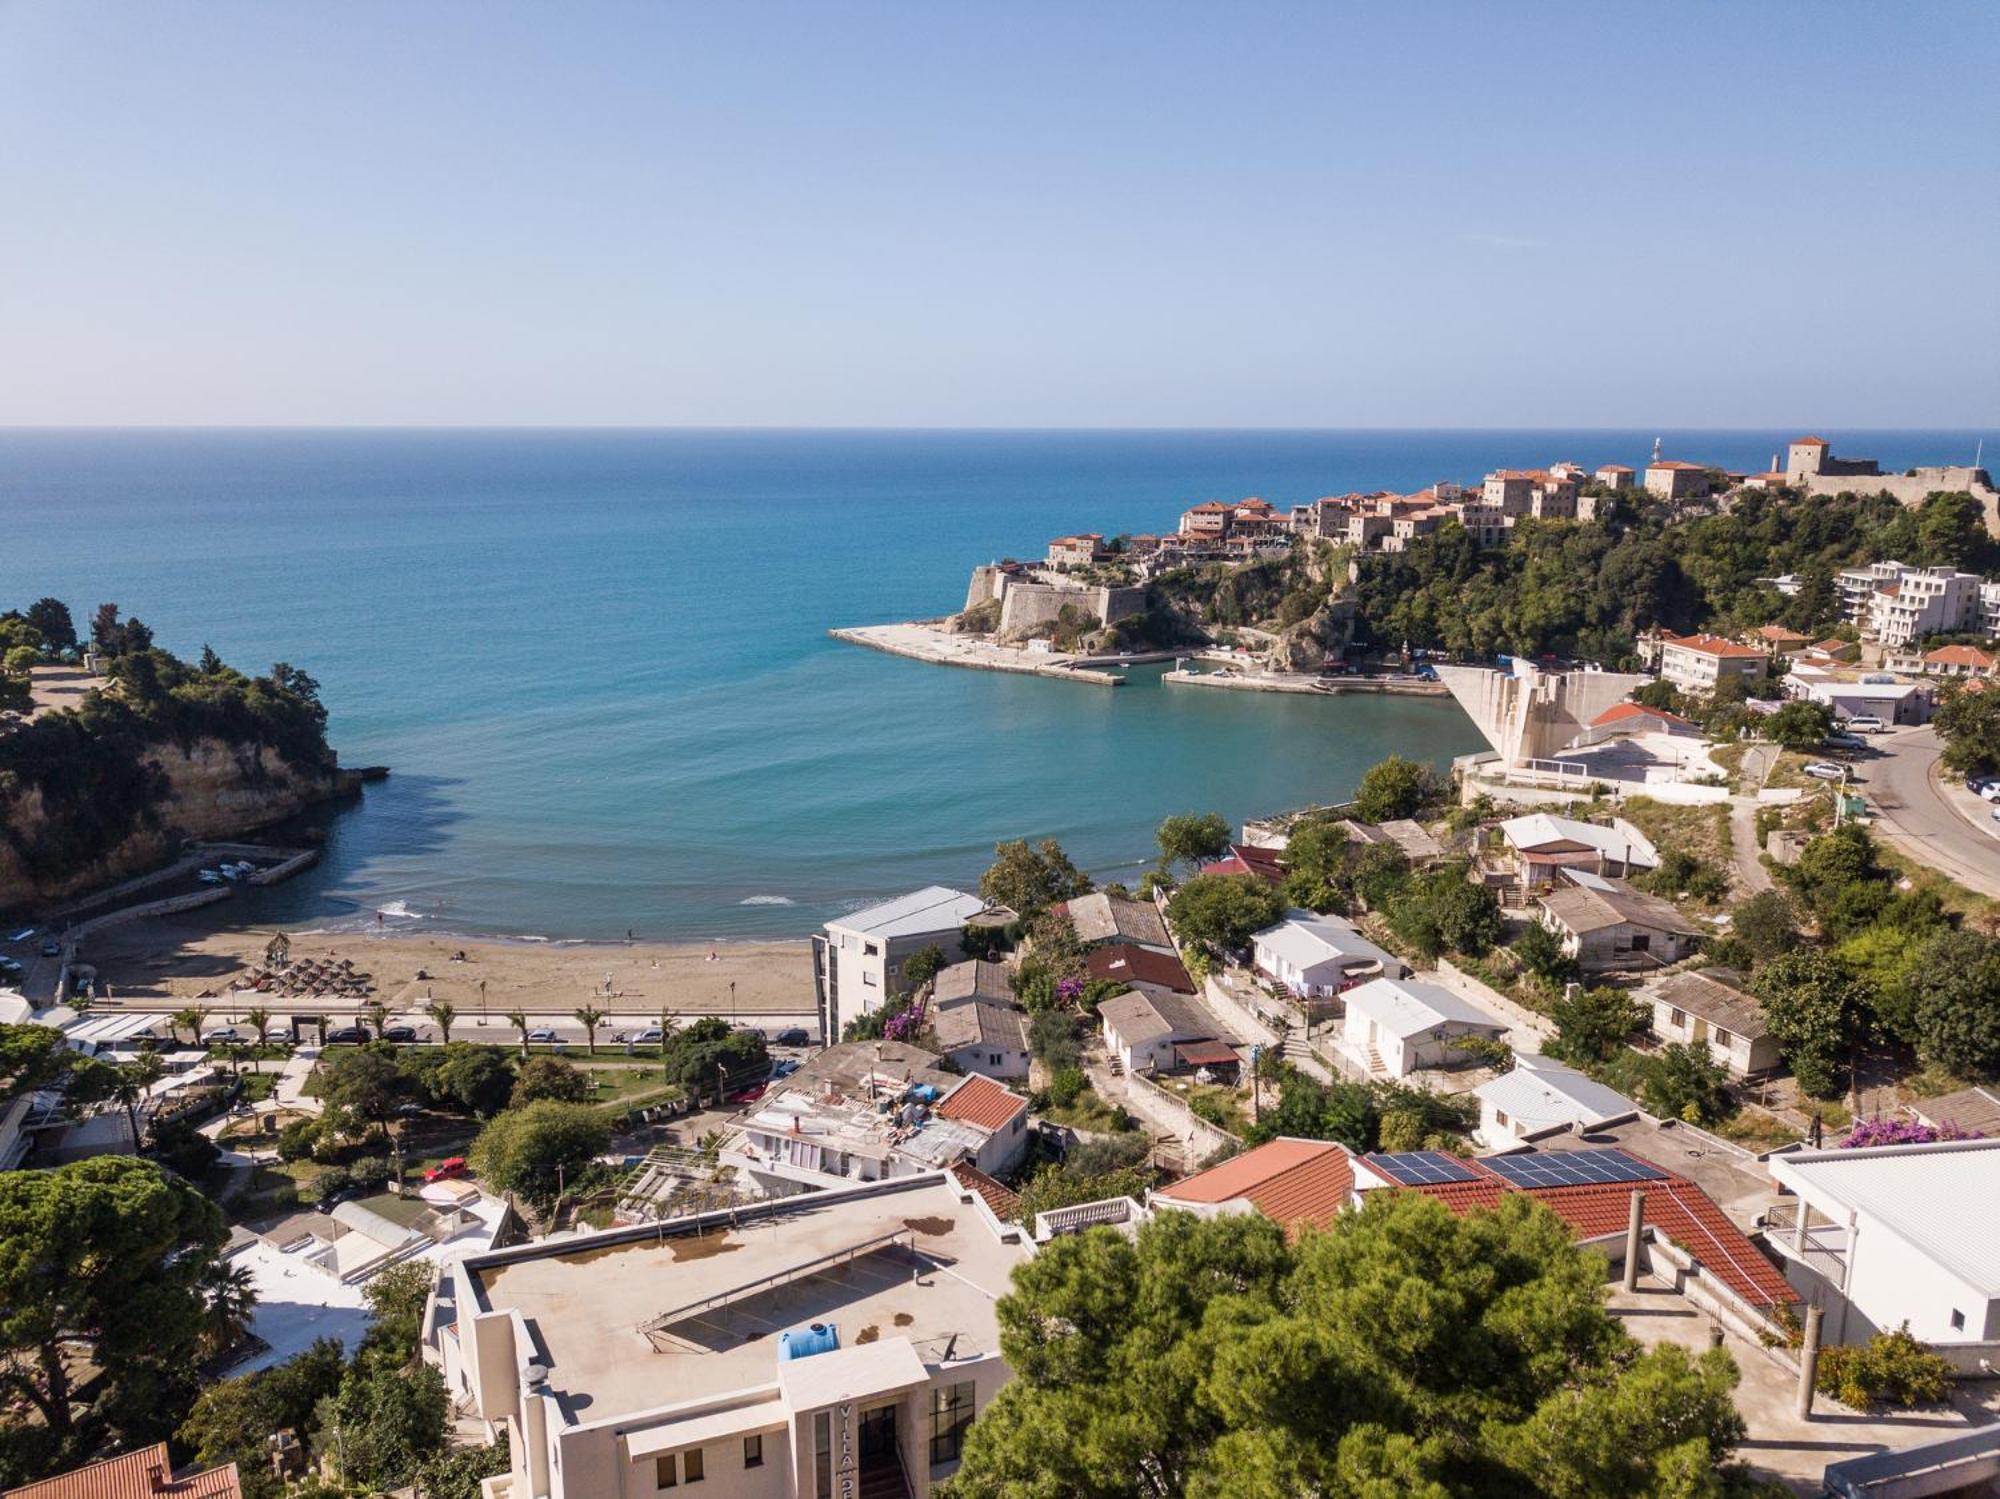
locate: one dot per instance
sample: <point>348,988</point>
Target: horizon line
<point>833,428</point>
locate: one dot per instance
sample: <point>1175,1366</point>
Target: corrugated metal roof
<point>1404,1008</point>
<point>1906,1189</point>
<point>1538,1094</point>
<point>935,908</point>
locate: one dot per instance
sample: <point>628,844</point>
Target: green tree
<point>1686,1083</point>
<point>1222,910</point>
<point>51,620</point>
<point>921,966</point>
<point>1540,952</point>
<point>443,1012</point>
<point>455,1473</point>
<point>1442,911</point>
<point>1189,838</point>
<point>230,1293</point>
<point>1767,923</point>
<point>536,1150</point>
<point>590,1018</point>
<point>1968,721</point>
<point>259,1019</point>
<point>366,1082</point>
<point>1027,879</point>
<point>464,1077</point>
<point>707,1056</point>
<point>396,1296</point>
<point>1955,1003</point>
<point>1800,725</point>
<point>1396,788</point>
<point>1818,1014</point>
<point>1393,1354</point>
<point>1316,860</point>
<point>232,1419</point>
<point>101,1268</point>
<point>189,1016</point>
<point>31,1057</point>
<point>549,1077</point>
<point>519,1020</point>
<point>382,1424</point>
<point>1592,1025</point>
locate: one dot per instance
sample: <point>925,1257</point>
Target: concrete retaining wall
<point>172,904</point>
<point>1170,1115</point>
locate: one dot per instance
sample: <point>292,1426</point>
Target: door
<point>1700,1031</point>
<point>878,1435</point>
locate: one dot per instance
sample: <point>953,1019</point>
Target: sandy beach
<point>180,960</point>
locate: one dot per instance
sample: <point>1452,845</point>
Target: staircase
<point>1294,1047</point>
<point>1117,1066</point>
<point>884,1481</point>
<point>1376,1066</point>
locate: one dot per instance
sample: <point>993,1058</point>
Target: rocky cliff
<point>206,788</point>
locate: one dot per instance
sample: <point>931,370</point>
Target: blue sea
<point>597,660</point>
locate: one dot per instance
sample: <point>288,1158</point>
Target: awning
<point>1207,1054</point>
<point>692,1431</point>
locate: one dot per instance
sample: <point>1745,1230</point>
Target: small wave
<point>400,909</point>
<point>767,900</point>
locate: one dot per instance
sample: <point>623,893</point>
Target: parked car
<point>221,1035</point>
<point>399,1033</point>
<point>11,967</point>
<point>1826,772</point>
<point>543,1033</point>
<point>648,1036</point>
<point>1866,723</point>
<point>346,1035</point>
<point>1846,742</point>
<point>445,1169</point>
<point>792,1036</point>
<point>748,1095</point>
<point>784,1068</point>
<point>51,948</point>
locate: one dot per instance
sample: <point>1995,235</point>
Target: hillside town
<point>1690,979</point>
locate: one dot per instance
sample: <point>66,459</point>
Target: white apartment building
<point>1696,663</point>
<point>829,1346</point>
<point>858,963</point>
<point>1924,601</point>
<point>1895,1234</point>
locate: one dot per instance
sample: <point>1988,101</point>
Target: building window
<point>1641,941</point>
<point>823,1455</point>
<point>871,950</point>
<point>951,1415</point>
<point>753,1450</point>
<point>868,980</point>
<point>1677,1019</point>
<point>993,1059</point>
<point>1722,1038</point>
<point>1500,1117</point>
<point>691,1469</point>
<point>1019,1120</point>
<point>664,1476</point>
<point>1957,1320</point>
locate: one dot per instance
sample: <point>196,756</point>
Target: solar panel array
<point>1573,1168</point>
<point>1422,1168</point>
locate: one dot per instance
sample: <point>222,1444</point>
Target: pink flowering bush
<point>1903,1132</point>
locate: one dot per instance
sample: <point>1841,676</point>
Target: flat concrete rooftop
<point>740,1287</point>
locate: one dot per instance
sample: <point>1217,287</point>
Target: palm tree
<point>133,1079</point>
<point>520,1023</point>
<point>590,1019</point>
<point>261,1018</point>
<point>378,1016</point>
<point>231,1294</point>
<point>189,1017</point>
<point>443,1013</point>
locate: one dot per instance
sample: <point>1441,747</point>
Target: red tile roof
<point>1266,863</point>
<point>1713,645</point>
<point>981,1101</point>
<point>1961,655</point>
<point>1810,442</point>
<point>1294,1183</point>
<point>1620,712</point>
<point>1675,1207</point>
<point>1126,963</point>
<point>129,1476</point>
<point>998,1196</point>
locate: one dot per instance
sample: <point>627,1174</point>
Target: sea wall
<point>1914,489</point>
<point>215,790</point>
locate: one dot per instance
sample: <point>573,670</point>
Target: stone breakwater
<point>926,641</point>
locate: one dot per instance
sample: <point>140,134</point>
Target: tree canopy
<point>1404,1351</point>
<point>538,1149</point>
<point>1395,788</point>
<point>1190,838</point>
<point>103,1258</point>
<point>1026,879</point>
<point>1223,910</point>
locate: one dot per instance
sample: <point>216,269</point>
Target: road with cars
<point>1924,812</point>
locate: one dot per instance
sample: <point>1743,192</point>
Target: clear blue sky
<point>1074,214</point>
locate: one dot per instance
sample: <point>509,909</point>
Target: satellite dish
<point>536,1373</point>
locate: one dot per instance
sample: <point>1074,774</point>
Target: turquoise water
<point>598,664</point>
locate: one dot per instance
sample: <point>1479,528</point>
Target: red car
<point>748,1095</point>
<point>454,1166</point>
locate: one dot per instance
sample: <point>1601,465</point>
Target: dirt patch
<point>867,1334</point>
<point>931,1228</point>
<point>701,1246</point>
<point>903,1319</point>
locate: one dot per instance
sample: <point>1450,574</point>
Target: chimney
<point>156,1478</point>
<point>1634,1227</point>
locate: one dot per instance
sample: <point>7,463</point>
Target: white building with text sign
<point>836,1345</point>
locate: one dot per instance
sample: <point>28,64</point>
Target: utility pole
<point>1809,1359</point>
<point>1634,1227</point>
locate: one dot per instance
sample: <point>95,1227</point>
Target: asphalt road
<point>1922,818</point>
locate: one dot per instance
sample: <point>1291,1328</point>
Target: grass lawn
<point>1757,1129</point>
<point>1090,1112</point>
<point>1225,1108</point>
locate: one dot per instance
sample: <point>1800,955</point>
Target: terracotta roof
<point>1126,963</point>
<point>129,1476</point>
<point>1295,1183</point>
<point>1832,644</point>
<point>1613,468</point>
<point>981,1101</point>
<point>999,1197</point>
<point>1674,1207</point>
<point>1961,655</point>
<point>1776,632</point>
<point>1810,442</point>
<point>1211,508</point>
<point>1266,863</point>
<point>1620,712</point>
<point>1713,645</point>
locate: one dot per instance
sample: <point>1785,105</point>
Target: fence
<point>1161,1109</point>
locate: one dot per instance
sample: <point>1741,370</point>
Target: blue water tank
<point>925,1091</point>
<point>804,1342</point>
